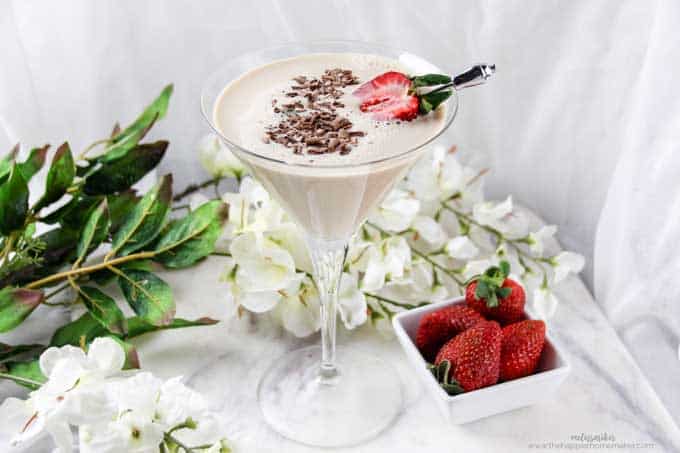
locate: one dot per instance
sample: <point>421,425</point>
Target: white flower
<point>298,307</point>
<point>138,433</point>
<point>217,160</point>
<point>384,262</point>
<point>544,303</point>
<point>233,292</point>
<point>421,285</point>
<point>138,394</point>
<point>500,216</point>
<point>429,231</point>
<point>396,212</point>
<point>491,214</point>
<point>264,268</point>
<point>538,239</point>
<point>439,176</point>
<point>351,302</point>
<point>461,248</point>
<point>290,237</point>
<point>251,209</point>
<point>177,403</point>
<point>18,423</point>
<point>566,263</point>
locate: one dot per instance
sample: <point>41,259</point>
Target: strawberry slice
<point>388,97</point>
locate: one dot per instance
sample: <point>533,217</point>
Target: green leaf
<point>20,352</point>
<point>425,106</point>
<point>145,221</point>
<point>428,80</point>
<point>104,276</point>
<point>119,206</point>
<point>442,374</point>
<point>33,163</point>
<point>120,148</point>
<point>192,238</point>
<point>505,268</point>
<point>75,213</point>
<point>16,304</point>
<point>155,111</point>
<point>7,161</point>
<point>13,202</point>
<point>482,290</point>
<point>122,173</point>
<point>87,328</point>
<point>430,101</point>
<point>104,309</point>
<point>149,296</point>
<point>492,300</point>
<point>95,231</point>
<point>503,292</point>
<point>60,245</point>
<point>26,374</point>
<point>137,326</point>
<point>60,176</point>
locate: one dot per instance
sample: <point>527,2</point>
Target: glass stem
<point>328,259</point>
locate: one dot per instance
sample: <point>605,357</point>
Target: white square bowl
<point>502,397</point>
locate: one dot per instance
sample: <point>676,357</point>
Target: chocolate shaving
<point>315,126</point>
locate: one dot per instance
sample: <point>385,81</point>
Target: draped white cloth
<point>579,122</point>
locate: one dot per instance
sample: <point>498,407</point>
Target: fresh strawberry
<point>394,96</point>
<point>495,296</point>
<point>473,358</point>
<point>522,346</point>
<point>438,327</point>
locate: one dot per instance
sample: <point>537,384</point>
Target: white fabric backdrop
<point>578,124</point>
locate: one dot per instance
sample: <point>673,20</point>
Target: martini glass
<point>325,396</point>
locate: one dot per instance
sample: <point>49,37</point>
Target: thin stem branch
<point>395,302</point>
<point>20,379</point>
<point>170,438</point>
<point>9,245</point>
<point>56,291</point>
<point>450,272</point>
<point>89,269</point>
<point>192,188</point>
<point>93,145</point>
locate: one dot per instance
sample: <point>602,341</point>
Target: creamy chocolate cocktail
<point>306,111</point>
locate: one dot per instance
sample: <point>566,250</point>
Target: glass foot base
<point>364,399</point>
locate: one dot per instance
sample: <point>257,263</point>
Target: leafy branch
<point>97,209</point>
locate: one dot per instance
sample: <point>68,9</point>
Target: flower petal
<point>107,354</point>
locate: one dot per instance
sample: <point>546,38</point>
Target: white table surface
<point>605,393</point>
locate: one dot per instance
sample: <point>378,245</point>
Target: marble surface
<point>606,392</point>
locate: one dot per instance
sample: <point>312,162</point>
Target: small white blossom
<point>396,212</point>
<point>298,307</point>
<point>566,263</point>
<point>491,214</point>
<point>264,268</point>
<point>439,176</point>
<point>429,232</point>
<point>461,248</point>
<point>351,302</point>
<point>113,411</point>
<point>217,160</point>
<point>538,239</point>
